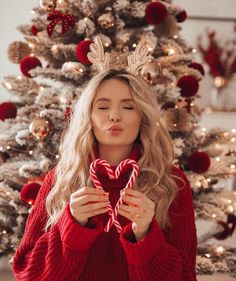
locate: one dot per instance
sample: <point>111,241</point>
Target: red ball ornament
<point>28,63</point>
<point>198,67</point>
<point>199,162</point>
<point>82,50</point>
<point>180,17</point>
<point>34,30</point>
<point>155,12</point>
<point>188,85</point>
<point>29,192</point>
<point>7,110</point>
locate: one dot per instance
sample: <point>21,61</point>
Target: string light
<point>33,12</point>
<point>57,156</point>
<point>208,255</point>
<point>208,179</point>
<point>232,166</point>
<point>233,130</point>
<point>217,159</point>
<point>194,50</point>
<point>175,36</point>
<point>4,232</point>
<point>214,216</point>
<point>171,51</point>
<point>8,85</point>
<point>134,45</point>
<point>230,209</point>
<point>31,152</point>
<point>19,77</point>
<point>233,139</point>
<point>219,250</point>
<point>31,45</point>
<point>54,47</point>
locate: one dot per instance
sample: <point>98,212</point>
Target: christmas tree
<point>54,68</point>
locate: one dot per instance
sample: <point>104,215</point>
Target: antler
<point>138,58</point>
<point>97,56</point>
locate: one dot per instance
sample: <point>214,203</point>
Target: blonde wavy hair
<point>155,179</point>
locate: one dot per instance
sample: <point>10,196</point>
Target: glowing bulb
<point>81,70</point>
<point>8,147</point>
<point>208,179</point>
<point>233,139</point>
<point>19,77</point>
<point>171,51</point>
<point>8,85</point>
<point>214,216</point>
<point>230,209</point>
<point>54,47</point>
<point>57,156</point>
<point>4,232</point>
<point>232,166</point>
<point>134,45</point>
<point>41,88</point>
<point>8,193</point>
<point>150,49</point>
<point>106,44</point>
<point>31,45</point>
<point>175,36</point>
<point>208,255</point>
<point>219,250</point>
<point>32,12</point>
<point>217,159</point>
<point>31,152</point>
<point>233,130</point>
<point>194,50</point>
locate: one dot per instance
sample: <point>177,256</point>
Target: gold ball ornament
<point>106,21</point>
<point>176,119</point>
<point>17,51</point>
<point>41,127</point>
<point>48,5</point>
<point>151,72</point>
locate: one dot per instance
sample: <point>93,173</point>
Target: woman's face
<point>115,117</point>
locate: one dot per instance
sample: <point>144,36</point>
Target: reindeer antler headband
<point>101,60</point>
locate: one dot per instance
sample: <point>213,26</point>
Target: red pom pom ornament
<point>180,17</point>
<point>155,13</point>
<point>29,192</point>
<point>7,110</point>
<point>82,50</point>
<point>28,63</point>
<point>34,30</point>
<point>188,85</point>
<point>199,162</point>
<point>198,67</point>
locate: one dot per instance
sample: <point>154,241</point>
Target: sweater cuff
<point>139,253</point>
<point>75,236</point>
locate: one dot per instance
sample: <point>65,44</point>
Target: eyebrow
<point>106,99</point>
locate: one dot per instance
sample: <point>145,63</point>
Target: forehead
<point>113,89</point>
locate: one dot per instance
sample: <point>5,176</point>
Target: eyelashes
<point>129,108</point>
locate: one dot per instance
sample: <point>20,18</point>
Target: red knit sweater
<point>69,251</point>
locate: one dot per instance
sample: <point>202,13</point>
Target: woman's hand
<point>139,209</point>
<point>88,202</point>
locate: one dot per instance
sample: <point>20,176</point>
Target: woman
<point>116,118</point>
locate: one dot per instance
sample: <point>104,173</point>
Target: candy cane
<point>112,175</point>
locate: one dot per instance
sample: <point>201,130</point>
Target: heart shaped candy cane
<point>113,175</point>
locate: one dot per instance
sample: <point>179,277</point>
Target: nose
<point>115,116</point>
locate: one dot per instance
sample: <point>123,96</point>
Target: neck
<point>114,154</point>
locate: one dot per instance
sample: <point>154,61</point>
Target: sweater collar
<point>135,154</point>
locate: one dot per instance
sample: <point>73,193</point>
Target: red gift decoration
<point>67,21</point>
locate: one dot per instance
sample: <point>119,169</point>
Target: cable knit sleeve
<point>169,255</point>
<point>59,254</point>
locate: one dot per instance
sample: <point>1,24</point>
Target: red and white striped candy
<point>113,175</point>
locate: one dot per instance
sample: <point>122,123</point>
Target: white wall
<point>13,13</point>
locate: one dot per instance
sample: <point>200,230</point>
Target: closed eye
<point>129,108</point>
